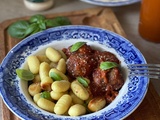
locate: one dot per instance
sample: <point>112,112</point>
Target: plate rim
<point>111,4</point>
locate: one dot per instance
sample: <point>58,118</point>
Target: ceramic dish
<point>14,91</point>
<point>111,2</point>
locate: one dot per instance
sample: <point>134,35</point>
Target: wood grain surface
<point>102,17</point>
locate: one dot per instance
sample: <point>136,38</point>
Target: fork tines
<point>149,70</point>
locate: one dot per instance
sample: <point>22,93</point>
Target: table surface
<point>128,17</point>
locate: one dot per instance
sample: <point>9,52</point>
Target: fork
<point>148,70</point>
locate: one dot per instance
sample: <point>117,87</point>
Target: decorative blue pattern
<point>111,2</point>
<point>17,102</point>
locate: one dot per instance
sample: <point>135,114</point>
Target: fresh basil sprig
<point>36,23</point>
<point>76,46</point>
<point>107,65</point>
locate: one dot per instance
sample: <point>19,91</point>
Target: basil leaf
<point>46,95</point>
<point>25,74</point>
<point>55,76</point>
<point>51,23</point>
<point>36,18</point>
<point>107,65</point>
<point>18,29</point>
<point>83,81</point>
<point>36,30</point>
<point>58,21</point>
<point>31,29</point>
<point>42,26</point>
<point>76,46</point>
<point>62,20</point>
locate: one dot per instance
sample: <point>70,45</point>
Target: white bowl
<point>14,91</point>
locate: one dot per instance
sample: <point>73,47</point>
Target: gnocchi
<point>61,66</point>
<point>36,97</point>
<point>52,54</point>
<point>62,75</point>
<point>56,95</point>
<point>34,88</point>
<point>36,79</point>
<point>60,86</point>
<point>44,70</point>
<point>63,104</point>
<point>75,99</point>
<point>77,110</point>
<point>63,54</point>
<point>46,83</point>
<point>43,58</point>
<point>33,64</point>
<point>46,104</point>
<point>79,90</point>
<point>96,104</point>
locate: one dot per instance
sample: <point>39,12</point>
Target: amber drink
<point>149,25</point>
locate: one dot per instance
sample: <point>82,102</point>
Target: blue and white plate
<point>14,91</point>
<point>111,2</point>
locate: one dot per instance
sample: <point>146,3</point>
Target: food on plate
<point>76,110</point>
<point>63,104</point>
<point>33,64</point>
<point>74,81</point>
<point>91,64</point>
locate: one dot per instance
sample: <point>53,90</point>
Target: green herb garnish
<point>76,46</point>
<point>36,23</point>
<point>55,76</point>
<point>46,95</point>
<point>84,81</point>
<point>25,74</point>
<point>107,65</point>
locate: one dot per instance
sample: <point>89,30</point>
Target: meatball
<point>106,56</point>
<point>108,82</point>
<point>80,65</point>
<point>110,94</point>
<point>115,78</point>
<point>100,78</point>
<point>112,76</point>
<point>85,49</point>
<point>96,90</point>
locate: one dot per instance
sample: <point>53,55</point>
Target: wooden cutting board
<point>102,17</point>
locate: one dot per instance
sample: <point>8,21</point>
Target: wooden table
<point>149,109</point>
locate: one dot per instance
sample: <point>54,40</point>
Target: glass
<point>149,25</point>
